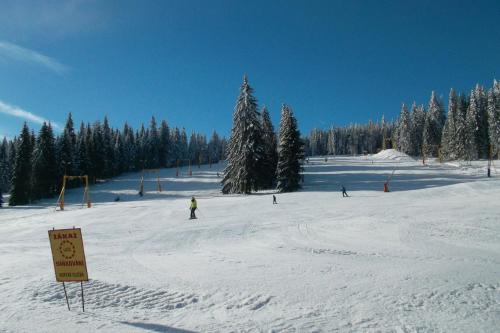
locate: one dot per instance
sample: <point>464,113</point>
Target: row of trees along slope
<point>255,160</point>
<point>31,167</point>
<point>471,129</point>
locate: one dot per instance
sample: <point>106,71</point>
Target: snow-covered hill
<point>423,258</point>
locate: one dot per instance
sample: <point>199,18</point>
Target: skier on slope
<point>344,192</point>
<point>193,207</point>
<point>274,200</point>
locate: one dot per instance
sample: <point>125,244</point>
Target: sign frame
<point>56,257</point>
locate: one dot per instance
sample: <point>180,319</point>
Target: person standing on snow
<point>344,193</point>
<point>274,200</point>
<point>193,207</point>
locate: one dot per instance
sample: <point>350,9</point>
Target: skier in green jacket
<point>193,207</point>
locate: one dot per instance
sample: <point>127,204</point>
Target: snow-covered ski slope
<point>423,258</point>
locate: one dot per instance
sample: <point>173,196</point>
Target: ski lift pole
<point>386,184</point>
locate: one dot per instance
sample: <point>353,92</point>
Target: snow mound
<point>393,155</point>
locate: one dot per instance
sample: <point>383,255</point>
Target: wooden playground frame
<point>86,192</point>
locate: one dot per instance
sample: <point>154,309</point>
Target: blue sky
<point>333,62</point>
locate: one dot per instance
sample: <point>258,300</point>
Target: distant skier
<point>344,192</point>
<point>1,198</point>
<point>193,208</point>
<point>274,200</point>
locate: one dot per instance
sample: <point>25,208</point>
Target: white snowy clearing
<point>424,257</point>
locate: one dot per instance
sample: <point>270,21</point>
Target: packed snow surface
<point>392,154</point>
<point>424,257</point>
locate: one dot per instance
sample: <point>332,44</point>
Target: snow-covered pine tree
<point>193,149</point>
<point>461,127</point>
<point>44,171</point>
<point>330,141</point>
<point>141,144</point>
<point>290,153</point>
<point>223,149</point>
<point>433,127</point>
<point>129,149</point>
<point>395,134</point>
<point>164,144</point>
<point>98,152</point>
<point>384,133</point>
<point>12,159</point>
<point>183,148</point>
<point>175,140</point>
<point>81,161</point>
<point>482,137</point>
<point>494,117</point>
<point>449,132</point>
<point>472,128</point>
<point>214,146</point>
<point>418,122</point>
<point>108,148</point>
<point>21,179</point>
<point>405,140</point>
<point>202,148</point>
<point>153,146</point>
<point>66,149</point>
<point>4,165</point>
<point>89,152</point>
<point>269,160</point>
<point>245,148</point>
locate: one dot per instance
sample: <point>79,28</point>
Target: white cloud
<point>18,53</point>
<point>15,111</point>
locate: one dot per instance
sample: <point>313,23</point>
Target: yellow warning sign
<point>68,255</point>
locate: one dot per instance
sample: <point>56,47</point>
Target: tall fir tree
<point>4,165</point>
<point>472,131</point>
<point>119,163</point>
<point>98,151</point>
<point>108,149</point>
<point>175,141</point>
<point>482,137</point>
<point>214,148</point>
<point>418,121</point>
<point>245,148</point>
<point>66,149</point>
<point>269,160</point>
<point>493,109</point>
<point>461,127</point>
<point>290,153</point>
<point>44,171</point>
<point>129,147</point>
<point>449,133</point>
<point>21,179</point>
<point>433,127</point>
<point>12,159</point>
<point>183,145</point>
<point>193,149</point>
<point>405,130</point>
<point>81,158</point>
<point>153,146</point>
<point>164,141</point>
